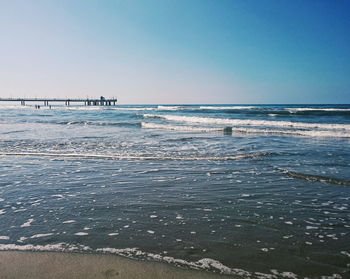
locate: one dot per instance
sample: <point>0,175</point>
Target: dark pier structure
<point>102,101</point>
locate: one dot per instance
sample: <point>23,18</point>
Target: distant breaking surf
<point>128,157</point>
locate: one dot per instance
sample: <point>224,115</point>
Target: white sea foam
<point>49,247</point>
<point>58,196</point>
<point>286,132</point>
<point>127,157</point>
<point>179,217</point>
<point>77,107</point>
<point>178,128</point>
<point>316,109</point>
<point>134,108</point>
<point>20,210</point>
<point>4,237</point>
<point>2,211</point>
<point>311,228</point>
<point>203,264</point>
<point>174,108</point>
<point>41,235</point>
<point>68,222</point>
<point>22,238</point>
<point>27,224</point>
<point>227,108</point>
<point>247,122</point>
<point>81,233</point>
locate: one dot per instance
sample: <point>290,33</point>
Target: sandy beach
<point>37,265</point>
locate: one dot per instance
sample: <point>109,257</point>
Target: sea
<point>251,191</point>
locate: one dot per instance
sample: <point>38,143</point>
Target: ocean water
<point>256,191</point>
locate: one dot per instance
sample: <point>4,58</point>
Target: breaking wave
<point>253,131</point>
<point>129,157</point>
<point>317,109</point>
<point>227,108</point>
<point>178,128</point>
<point>247,122</point>
<point>258,126</point>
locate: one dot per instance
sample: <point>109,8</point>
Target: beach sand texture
<point>44,265</point>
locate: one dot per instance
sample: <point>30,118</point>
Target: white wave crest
<point>316,109</point>
<point>226,108</point>
<point>284,132</point>
<point>134,108</point>
<point>178,128</point>
<point>248,122</point>
<point>206,263</point>
<point>174,108</point>
<point>289,132</point>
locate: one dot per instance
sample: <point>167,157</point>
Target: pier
<point>102,101</point>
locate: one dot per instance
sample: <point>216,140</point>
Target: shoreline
<point>37,265</point>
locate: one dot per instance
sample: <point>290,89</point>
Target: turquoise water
<point>255,191</point>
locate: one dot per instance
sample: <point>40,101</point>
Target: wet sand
<point>40,265</point>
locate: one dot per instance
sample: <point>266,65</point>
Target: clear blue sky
<point>185,51</point>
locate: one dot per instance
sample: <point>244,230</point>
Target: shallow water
<point>267,197</point>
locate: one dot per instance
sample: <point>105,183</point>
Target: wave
<point>129,157</point>
<point>316,109</point>
<point>206,264</point>
<point>102,123</point>
<point>69,108</point>
<point>59,247</point>
<point>247,122</point>
<point>174,108</point>
<point>229,130</point>
<point>227,107</point>
<point>288,132</point>
<point>134,108</point>
<point>178,128</point>
<point>316,178</point>
<point>92,123</point>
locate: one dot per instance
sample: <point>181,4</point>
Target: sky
<point>177,52</point>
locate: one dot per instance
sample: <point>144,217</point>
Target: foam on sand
<point>127,266</point>
<point>72,265</point>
